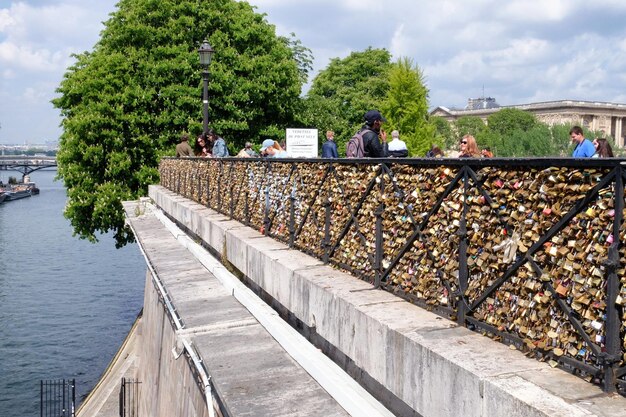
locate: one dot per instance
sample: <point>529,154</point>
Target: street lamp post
<point>206,53</point>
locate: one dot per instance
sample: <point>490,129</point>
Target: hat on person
<point>373,115</point>
<point>267,143</point>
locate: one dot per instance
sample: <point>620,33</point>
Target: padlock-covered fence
<point>527,251</point>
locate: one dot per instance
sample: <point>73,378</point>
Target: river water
<point>65,304</point>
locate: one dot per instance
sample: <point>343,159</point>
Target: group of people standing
<point>375,144</point>
<point>372,135</point>
<point>211,145</point>
<point>214,146</point>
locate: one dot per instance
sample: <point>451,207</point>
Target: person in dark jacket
<point>329,148</point>
<point>373,135</point>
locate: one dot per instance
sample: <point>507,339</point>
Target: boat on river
<point>16,192</point>
<point>3,196</point>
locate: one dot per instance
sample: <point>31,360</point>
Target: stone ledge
<point>434,366</point>
<point>249,369</point>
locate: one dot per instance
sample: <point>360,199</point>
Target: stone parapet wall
<point>527,251</point>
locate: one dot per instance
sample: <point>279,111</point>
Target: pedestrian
<point>248,149</point>
<point>468,147</point>
<point>183,148</point>
<point>434,152</point>
<point>603,148</point>
<point>271,149</point>
<point>397,148</point>
<point>584,148</point>
<point>219,145</point>
<point>329,148</point>
<point>373,135</point>
<point>486,153</point>
<point>202,149</point>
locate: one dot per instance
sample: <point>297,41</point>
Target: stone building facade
<point>593,115</point>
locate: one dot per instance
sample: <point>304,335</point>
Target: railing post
<point>230,188</point>
<point>266,212</point>
<point>73,397</point>
<point>462,307</point>
<point>208,187</point>
<point>219,188</point>
<point>326,241</point>
<point>378,254</point>
<point>199,183</point>
<point>612,264</point>
<point>246,207</point>
<point>292,216</point>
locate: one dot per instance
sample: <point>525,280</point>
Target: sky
<point>517,51</point>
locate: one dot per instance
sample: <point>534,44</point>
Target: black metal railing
<point>129,398</point>
<point>528,251</point>
<point>57,398</point>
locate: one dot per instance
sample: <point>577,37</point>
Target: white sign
<point>302,143</point>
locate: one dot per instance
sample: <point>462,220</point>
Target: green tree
<point>534,142</point>
<point>125,103</point>
<point>444,135</point>
<point>469,125</point>
<point>507,120</point>
<point>302,55</point>
<point>406,106</point>
<point>341,93</point>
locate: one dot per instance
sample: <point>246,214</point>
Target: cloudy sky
<point>518,51</point>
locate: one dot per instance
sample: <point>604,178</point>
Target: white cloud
<point>519,50</point>
<point>5,20</point>
<point>536,10</point>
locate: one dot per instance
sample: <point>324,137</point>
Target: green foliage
<point>342,93</point>
<point>538,141</point>
<point>444,135</point>
<point>561,138</point>
<point>302,55</point>
<point>126,103</point>
<point>508,120</point>
<point>469,125</point>
<point>406,107</point>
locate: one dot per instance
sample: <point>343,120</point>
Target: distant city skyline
<point>519,51</point>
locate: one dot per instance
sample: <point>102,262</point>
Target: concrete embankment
<point>209,346</point>
<point>416,362</point>
<point>207,343</point>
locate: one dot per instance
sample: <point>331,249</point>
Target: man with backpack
<point>365,143</point>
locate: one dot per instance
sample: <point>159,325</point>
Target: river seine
<point>65,304</point>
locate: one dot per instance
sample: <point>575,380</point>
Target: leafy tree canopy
<point>508,120</point>
<point>406,107</point>
<point>469,125</point>
<point>341,93</point>
<point>444,135</point>
<point>126,103</point>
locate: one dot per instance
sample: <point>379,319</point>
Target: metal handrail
<point>386,220</point>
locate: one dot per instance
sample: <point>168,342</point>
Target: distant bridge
<point>26,164</point>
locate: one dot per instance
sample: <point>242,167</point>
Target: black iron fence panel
<point>129,397</point>
<point>527,251</point>
<point>57,398</point>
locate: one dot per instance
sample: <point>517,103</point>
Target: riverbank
<point>103,400</point>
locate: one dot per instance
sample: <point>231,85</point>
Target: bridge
<point>26,164</point>
<point>507,258</point>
